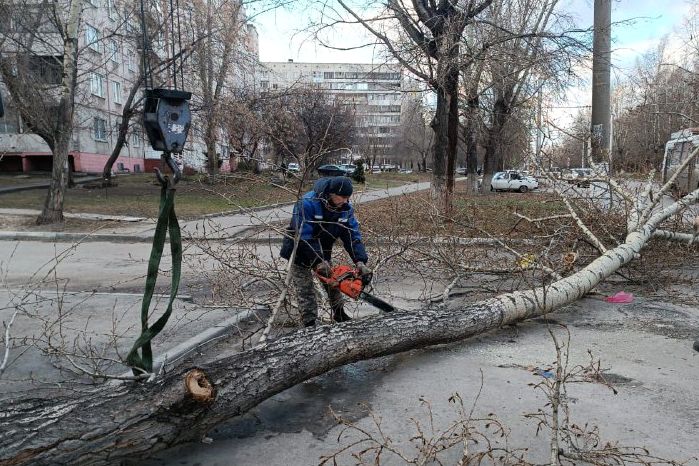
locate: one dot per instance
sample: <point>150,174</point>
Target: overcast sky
<point>639,27</point>
<point>281,40</point>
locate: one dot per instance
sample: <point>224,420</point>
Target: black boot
<point>339,315</point>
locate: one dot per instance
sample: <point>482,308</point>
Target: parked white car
<point>579,177</point>
<point>349,168</point>
<point>513,181</point>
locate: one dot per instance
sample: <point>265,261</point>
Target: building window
<point>116,92</point>
<point>9,124</point>
<point>131,60</point>
<point>132,27</point>
<point>46,69</point>
<point>264,85</point>
<point>111,9</point>
<point>93,38</point>
<point>136,138</point>
<point>99,129</point>
<point>97,84</point>
<point>113,49</point>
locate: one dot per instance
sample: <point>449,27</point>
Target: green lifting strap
<point>167,222</point>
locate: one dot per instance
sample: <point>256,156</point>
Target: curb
<point>243,211</point>
<point>176,352</point>
<point>57,237</point>
<point>14,189</point>
<point>146,237</point>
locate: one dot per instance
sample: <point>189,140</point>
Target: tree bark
<point>127,422</point>
<point>126,114</point>
<point>52,211</point>
<point>493,160</point>
<point>471,137</point>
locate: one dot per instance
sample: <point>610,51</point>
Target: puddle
<point>305,406</point>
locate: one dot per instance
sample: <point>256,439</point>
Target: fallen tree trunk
<point>127,422</point>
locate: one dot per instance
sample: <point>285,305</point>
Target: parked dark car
<point>332,170</point>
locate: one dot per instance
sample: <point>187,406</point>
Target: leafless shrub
<point>483,439</point>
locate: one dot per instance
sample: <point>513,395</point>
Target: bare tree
<point>657,99</point>
<point>416,137</point>
<point>132,106</point>
<point>39,66</point>
<point>218,33</point>
<point>308,126</point>
<point>424,37</point>
<point>527,54</point>
<point>247,121</point>
<point>123,424</point>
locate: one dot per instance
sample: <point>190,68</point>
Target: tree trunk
<point>452,85</point>
<point>126,115</point>
<point>440,126</point>
<point>129,422</point>
<point>53,205</point>
<point>471,137</point>
<point>52,211</point>
<point>493,154</point>
<point>445,125</point>
<point>212,162</point>
<point>116,151</point>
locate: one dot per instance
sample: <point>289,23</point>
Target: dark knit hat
<point>340,185</point>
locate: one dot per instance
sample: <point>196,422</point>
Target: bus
<point>677,149</point>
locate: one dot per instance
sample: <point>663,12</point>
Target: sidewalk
<point>44,184</point>
<point>221,227</point>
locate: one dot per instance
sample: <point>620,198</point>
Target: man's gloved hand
<point>323,269</point>
<point>365,273</point>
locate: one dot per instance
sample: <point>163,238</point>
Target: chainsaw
<point>349,281</point>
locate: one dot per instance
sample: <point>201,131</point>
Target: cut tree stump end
<point>198,386</point>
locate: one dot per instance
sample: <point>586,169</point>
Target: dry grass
<point>473,216</point>
<point>138,195</point>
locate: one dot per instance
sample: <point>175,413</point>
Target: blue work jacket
<point>320,227</point>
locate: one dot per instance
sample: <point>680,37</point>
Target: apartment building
<point>109,63</point>
<point>379,94</point>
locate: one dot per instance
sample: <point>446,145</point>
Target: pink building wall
<point>94,163</point>
<point>82,161</point>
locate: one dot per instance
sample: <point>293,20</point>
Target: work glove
<point>323,269</point>
<point>365,273</point>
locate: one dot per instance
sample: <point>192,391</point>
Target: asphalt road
<point>646,354</point>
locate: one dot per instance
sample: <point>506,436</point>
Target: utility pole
<point>600,128</point>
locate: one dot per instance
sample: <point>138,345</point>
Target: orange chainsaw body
<point>346,278</point>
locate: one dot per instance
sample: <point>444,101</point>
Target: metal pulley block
<point>167,118</point>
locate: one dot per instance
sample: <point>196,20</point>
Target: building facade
<point>109,63</point>
<point>379,95</point>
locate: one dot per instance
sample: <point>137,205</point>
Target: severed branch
<point>449,287</point>
<point>668,185</point>
<point>593,239</point>
<point>282,295</point>
<point>689,238</point>
<point>6,341</point>
<point>542,219</point>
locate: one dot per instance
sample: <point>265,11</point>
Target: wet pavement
<point>645,348</point>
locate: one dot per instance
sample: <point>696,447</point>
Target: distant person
<point>322,216</point>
